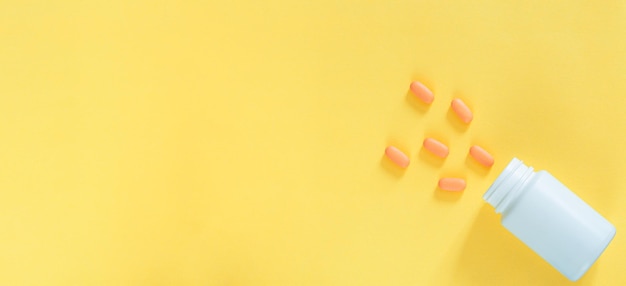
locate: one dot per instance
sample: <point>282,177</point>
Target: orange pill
<point>462,110</point>
<point>452,184</point>
<point>436,147</point>
<point>422,92</point>
<point>397,156</point>
<point>481,155</point>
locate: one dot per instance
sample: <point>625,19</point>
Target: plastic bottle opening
<point>508,185</point>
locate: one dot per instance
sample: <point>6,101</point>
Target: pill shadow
<point>416,103</point>
<point>430,158</point>
<point>492,255</point>
<point>473,165</point>
<point>391,168</point>
<point>446,196</point>
<point>455,121</point>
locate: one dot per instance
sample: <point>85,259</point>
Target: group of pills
<point>438,148</point>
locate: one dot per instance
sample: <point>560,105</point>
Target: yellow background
<point>241,143</point>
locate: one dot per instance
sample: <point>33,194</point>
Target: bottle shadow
<point>492,255</point>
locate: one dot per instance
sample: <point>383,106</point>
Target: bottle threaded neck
<point>509,184</point>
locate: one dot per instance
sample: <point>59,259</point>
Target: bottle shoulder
<point>539,178</point>
<point>543,179</point>
<point>541,173</point>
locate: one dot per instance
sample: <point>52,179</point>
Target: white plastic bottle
<point>550,219</point>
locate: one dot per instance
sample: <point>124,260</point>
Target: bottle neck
<point>509,185</point>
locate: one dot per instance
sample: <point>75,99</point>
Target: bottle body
<point>550,219</point>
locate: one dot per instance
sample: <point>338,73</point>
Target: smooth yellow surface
<point>241,143</point>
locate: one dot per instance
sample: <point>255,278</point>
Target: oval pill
<point>452,184</point>
<point>462,110</point>
<point>481,155</point>
<point>397,156</point>
<point>436,147</point>
<point>422,92</point>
